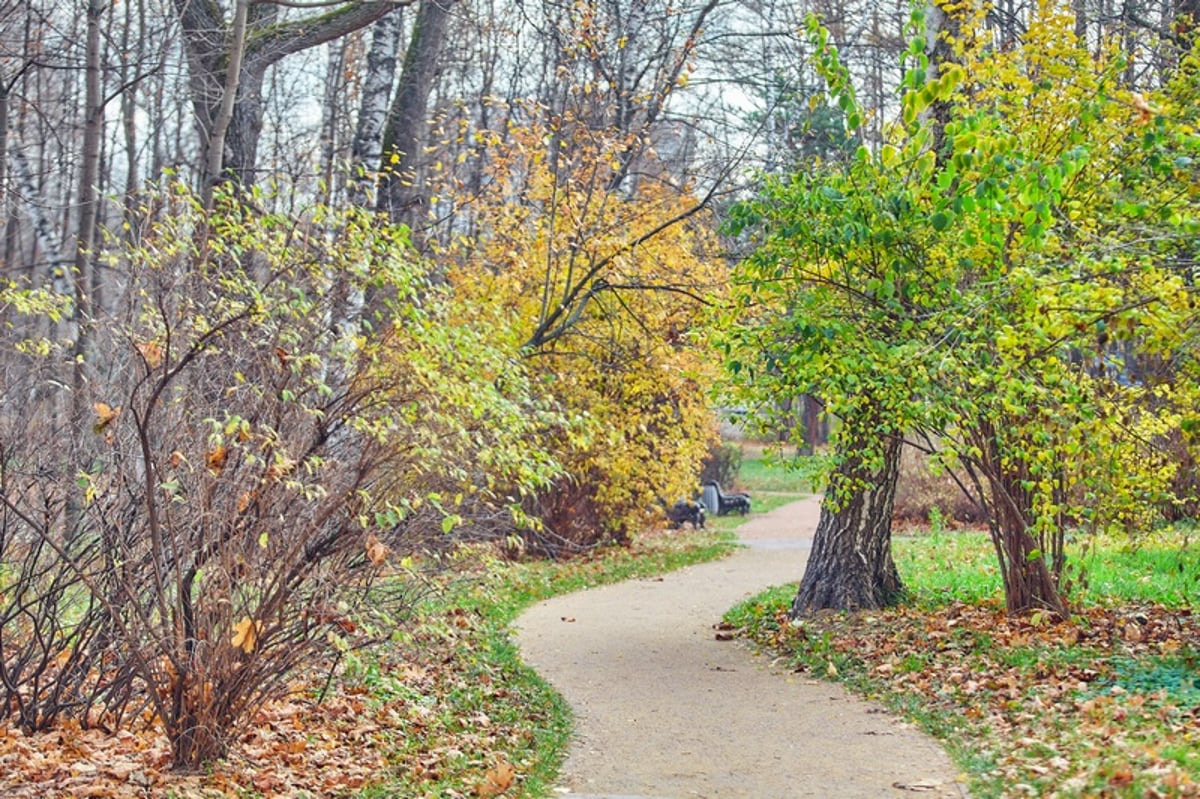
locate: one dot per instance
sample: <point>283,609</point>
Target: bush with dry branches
<point>268,404</point>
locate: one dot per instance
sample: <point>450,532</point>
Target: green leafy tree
<point>995,295</point>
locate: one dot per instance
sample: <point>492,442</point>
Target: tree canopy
<point>1010,283</point>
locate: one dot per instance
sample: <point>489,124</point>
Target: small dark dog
<point>684,511</point>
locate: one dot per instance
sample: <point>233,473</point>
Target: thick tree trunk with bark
<point>850,566</point>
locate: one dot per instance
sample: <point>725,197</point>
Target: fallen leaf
<point>920,786</point>
<point>498,780</point>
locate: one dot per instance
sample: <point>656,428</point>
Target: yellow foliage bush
<point>599,280</point>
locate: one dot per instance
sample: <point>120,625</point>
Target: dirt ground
<point>665,710</point>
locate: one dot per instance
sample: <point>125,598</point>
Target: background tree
<point>228,60</point>
<point>600,292</point>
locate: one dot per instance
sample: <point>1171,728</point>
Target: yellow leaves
<point>246,634</point>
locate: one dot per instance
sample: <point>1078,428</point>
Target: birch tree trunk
<point>367,148</point>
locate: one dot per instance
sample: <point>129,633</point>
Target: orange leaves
<point>246,634</point>
<point>498,779</point>
<point>152,353</point>
<point>377,551</point>
<point>105,416</point>
<point>332,616</point>
<point>216,458</point>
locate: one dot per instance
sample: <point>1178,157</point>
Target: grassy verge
<point>470,718</point>
<point>1106,703</point>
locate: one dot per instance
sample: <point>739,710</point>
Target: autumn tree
<point>600,291</point>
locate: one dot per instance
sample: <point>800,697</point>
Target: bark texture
<point>208,38</point>
<point>850,566</point>
<point>367,147</point>
<point>401,194</point>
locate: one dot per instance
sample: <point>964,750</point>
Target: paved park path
<point>666,711</point>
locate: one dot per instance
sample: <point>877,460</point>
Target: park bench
<point>725,503</point>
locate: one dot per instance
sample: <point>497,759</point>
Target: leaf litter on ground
<point>444,711</point>
<point>1103,704</point>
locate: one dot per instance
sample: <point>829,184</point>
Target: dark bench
<point>738,502</point>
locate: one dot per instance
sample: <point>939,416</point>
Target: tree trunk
<point>1030,582</point>
<point>367,148</point>
<point>211,42</point>
<point>224,113</point>
<point>400,194</point>
<point>850,566</point>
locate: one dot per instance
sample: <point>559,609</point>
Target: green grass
<point>763,472</point>
<point>946,565</point>
<point>769,483</point>
<point>470,667</point>
<point>1103,704</point>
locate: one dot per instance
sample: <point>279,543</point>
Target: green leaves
<point>1016,294</point>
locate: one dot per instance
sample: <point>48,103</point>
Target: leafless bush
<point>921,489</point>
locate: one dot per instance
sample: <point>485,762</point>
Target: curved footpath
<point>664,710</point>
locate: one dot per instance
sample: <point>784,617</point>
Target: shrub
<point>923,492</point>
<point>722,464</point>
<point>250,462</point>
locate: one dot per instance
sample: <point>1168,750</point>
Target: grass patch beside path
<point>470,719</point>
<point>1105,704</point>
